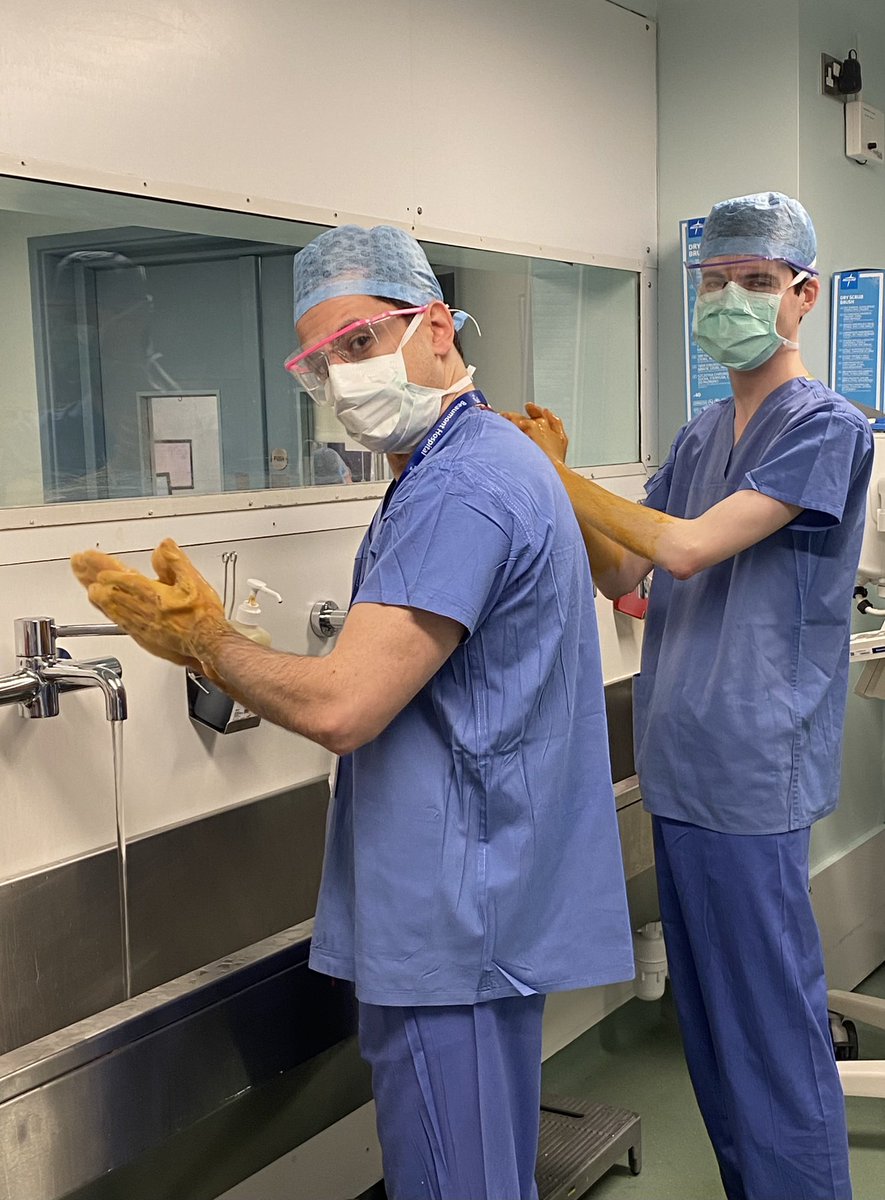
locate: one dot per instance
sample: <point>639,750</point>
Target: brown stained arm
<point>624,539</point>
<point>647,537</point>
<point>607,523</point>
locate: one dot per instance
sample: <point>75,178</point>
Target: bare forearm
<point>299,693</point>
<point>383,656</point>
<point>624,539</point>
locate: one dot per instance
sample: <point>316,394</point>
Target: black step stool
<point>580,1141</point>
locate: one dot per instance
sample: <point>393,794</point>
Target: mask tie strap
<point>413,325</point>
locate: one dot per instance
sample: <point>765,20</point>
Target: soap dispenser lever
<point>258,585</point>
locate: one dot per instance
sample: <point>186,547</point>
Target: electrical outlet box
<point>864,133</point>
<point>830,67</point>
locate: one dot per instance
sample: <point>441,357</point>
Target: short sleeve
<point>657,489</point>
<point>449,550</point>
<point>813,465</point>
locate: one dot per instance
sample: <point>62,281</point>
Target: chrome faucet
<point>42,675</point>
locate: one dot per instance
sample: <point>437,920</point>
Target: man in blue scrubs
<point>472,861</point>
<point>754,526</point>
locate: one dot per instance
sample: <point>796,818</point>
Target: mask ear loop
<point>459,312</point>
<point>456,312</point>
<point>797,279</point>
<point>418,317</point>
<point>413,325</point>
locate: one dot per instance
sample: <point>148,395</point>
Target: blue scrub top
<point>472,848</point>
<point>739,706</point>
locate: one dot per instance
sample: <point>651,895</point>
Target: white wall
<point>847,201</point>
<point>500,131</point>
<point>727,120</point>
<point>492,121</point>
<point>57,780</point>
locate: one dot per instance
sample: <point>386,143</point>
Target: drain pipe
<point>651,961</point>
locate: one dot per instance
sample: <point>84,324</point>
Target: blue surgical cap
<point>352,261</point>
<point>765,225</point>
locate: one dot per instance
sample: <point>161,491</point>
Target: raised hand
<point>177,616</point>
<point>544,428</point>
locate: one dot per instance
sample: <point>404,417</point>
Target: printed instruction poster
<point>705,379</point>
<point>856,358</point>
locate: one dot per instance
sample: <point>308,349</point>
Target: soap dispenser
<point>246,619</point>
<point>207,703</point>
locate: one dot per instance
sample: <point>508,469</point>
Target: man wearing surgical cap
<point>472,856</point>
<point>754,526</point>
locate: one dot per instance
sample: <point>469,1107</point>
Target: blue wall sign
<point>705,379</point>
<point>856,359</point>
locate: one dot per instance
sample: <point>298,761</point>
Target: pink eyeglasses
<point>353,343</point>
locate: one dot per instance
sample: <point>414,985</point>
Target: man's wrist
<point>208,638</point>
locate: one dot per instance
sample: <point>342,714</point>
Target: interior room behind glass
<point>143,343</point>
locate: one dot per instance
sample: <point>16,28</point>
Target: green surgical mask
<point>739,328</point>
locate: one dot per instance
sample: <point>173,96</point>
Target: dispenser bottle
<point>208,704</point>
<point>246,619</point>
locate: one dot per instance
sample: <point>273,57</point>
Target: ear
<point>442,328</point>
<point>809,295</point>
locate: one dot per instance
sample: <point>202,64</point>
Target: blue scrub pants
<point>458,1095</point>
<point>747,971</point>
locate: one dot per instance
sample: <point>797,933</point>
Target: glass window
<point>143,343</point>
<point>586,357</point>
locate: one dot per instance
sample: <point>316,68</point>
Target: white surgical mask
<point>379,406</point>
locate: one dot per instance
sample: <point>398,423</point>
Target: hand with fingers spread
<point>176,616</point>
<point>544,428</point>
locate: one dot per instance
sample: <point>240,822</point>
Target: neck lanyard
<point>446,424</point>
<point>474,399</point>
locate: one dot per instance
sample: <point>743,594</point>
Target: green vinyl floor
<point>633,1059</point>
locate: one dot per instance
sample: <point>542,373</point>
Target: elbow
<point>339,738</point>
<point>611,591</point>
<point>341,742</point>
<point>685,563</point>
<point>342,731</point>
<point>681,551</point>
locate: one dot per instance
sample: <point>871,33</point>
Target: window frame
<point>314,499</point>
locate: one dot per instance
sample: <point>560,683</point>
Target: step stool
<point>580,1141</point>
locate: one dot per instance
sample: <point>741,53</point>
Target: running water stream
<point>117,742</point>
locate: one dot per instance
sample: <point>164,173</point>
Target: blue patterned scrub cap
<point>764,225</point>
<point>352,261</point>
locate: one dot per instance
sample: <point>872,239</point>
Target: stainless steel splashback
<point>88,1101</point>
<point>197,891</point>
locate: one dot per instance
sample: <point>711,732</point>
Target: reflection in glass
<point>143,344</point>
<point>586,357</point>
<point>327,464</point>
